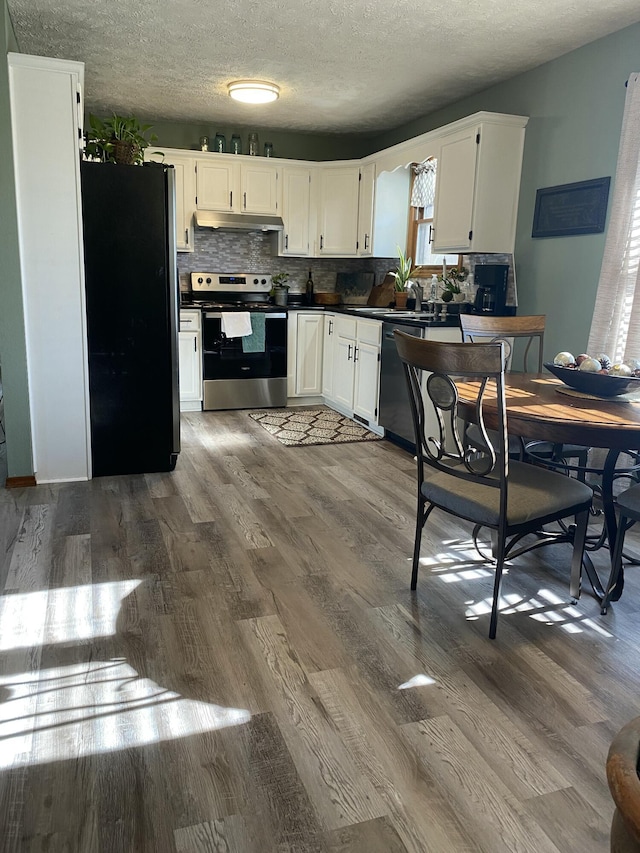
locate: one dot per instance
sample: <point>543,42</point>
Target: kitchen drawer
<point>370,332</point>
<point>190,321</point>
<point>346,327</point>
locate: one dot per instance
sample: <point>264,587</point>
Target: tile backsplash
<point>253,252</point>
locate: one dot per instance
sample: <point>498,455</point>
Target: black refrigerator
<point>132,317</point>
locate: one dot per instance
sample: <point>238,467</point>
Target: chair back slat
<point>477,328</point>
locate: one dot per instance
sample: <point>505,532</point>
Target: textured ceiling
<point>342,65</point>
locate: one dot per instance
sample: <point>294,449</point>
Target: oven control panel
<point>214,282</point>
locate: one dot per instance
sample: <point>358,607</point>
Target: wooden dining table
<point>541,407</point>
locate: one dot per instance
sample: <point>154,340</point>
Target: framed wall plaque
<point>569,209</point>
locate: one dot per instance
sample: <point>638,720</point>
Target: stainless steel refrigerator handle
<point>174,302</point>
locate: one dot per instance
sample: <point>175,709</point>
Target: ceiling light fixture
<point>253,91</point>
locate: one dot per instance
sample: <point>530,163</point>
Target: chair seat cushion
<point>533,493</point>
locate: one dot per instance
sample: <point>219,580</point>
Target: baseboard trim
<point>19,482</point>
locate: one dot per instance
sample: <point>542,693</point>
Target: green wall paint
<point>13,356</point>
<point>575,105</point>
<point>296,146</point>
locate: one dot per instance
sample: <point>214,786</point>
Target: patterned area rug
<point>296,427</point>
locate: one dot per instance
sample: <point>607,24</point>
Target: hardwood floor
<point>228,658</point>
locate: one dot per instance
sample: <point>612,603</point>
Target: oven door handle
<point>269,315</point>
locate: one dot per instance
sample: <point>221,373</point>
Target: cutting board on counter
<point>354,287</point>
<point>382,294</point>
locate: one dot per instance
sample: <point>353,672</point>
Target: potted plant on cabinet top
<point>117,140</point>
<point>402,276</point>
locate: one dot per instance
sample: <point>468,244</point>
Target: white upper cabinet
<point>454,190</point>
<point>259,184</point>
<point>217,182</point>
<point>338,211</point>
<point>365,209</point>
<point>232,185</point>
<point>360,208</point>
<point>477,187</point>
<point>185,173</point>
<point>296,211</point>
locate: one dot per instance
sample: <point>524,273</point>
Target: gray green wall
<point>575,105</point>
<point>296,146</point>
<point>13,358</point>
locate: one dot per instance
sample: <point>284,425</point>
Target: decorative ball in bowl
<point>598,384</point>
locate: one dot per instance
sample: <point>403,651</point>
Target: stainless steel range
<point>244,341</point>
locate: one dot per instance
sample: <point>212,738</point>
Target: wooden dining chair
<point>527,329</point>
<point>523,335</point>
<point>628,503</point>
<point>481,485</point>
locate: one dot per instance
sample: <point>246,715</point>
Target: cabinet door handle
<point>366,242</point>
<point>186,236</point>
<point>195,343</point>
<point>286,241</point>
<point>231,199</point>
<point>330,327</point>
<point>355,354</point>
<point>321,241</point>
<point>244,201</point>
<point>349,352</point>
<point>431,233</point>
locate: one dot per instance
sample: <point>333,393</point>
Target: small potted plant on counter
<point>451,284</point>
<point>280,288</point>
<point>402,276</point>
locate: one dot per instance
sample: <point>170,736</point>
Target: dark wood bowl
<point>598,384</point>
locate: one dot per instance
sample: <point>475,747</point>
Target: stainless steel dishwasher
<point>395,409</point>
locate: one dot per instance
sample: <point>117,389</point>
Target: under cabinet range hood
<point>238,221</point>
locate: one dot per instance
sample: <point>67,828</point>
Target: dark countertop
<point>388,315</point>
<point>411,318</point>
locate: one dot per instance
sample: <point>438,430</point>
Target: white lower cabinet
<point>367,378</point>
<point>328,338</point>
<point>304,348</point>
<point>190,361</point>
<point>352,355</point>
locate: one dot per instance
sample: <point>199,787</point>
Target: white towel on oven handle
<point>236,324</point>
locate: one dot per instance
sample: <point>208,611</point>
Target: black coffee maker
<point>491,295</point>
